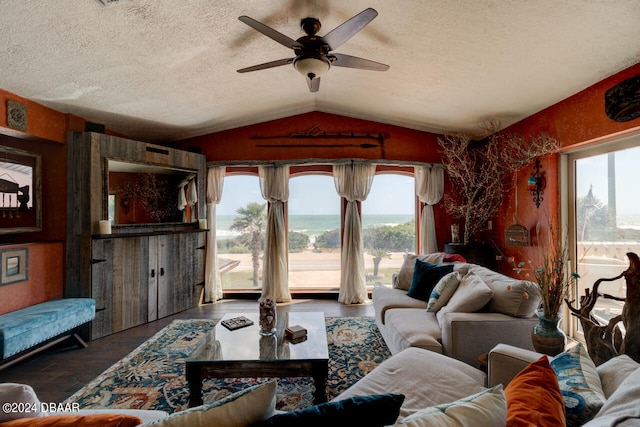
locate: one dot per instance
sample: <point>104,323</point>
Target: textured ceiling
<point>164,70</point>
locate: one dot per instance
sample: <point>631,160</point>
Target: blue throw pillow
<point>371,411</point>
<point>425,278</point>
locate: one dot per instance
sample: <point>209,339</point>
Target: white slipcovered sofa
<point>476,310</point>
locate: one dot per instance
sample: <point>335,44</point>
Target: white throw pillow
<point>443,291</point>
<point>614,371</point>
<point>485,409</point>
<point>622,407</point>
<point>244,408</point>
<point>23,400</point>
<point>471,295</point>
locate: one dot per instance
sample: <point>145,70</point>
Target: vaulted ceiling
<point>166,70</point>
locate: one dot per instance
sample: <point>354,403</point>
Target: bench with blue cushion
<point>31,329</point>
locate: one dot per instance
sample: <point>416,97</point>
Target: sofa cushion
<point>424,377</point>
<point>614,371</point>
<point>372,410</point>
<point>425,277</point>
<point>534,398</point>
<point>412,327</point>
<point>443,291</point>
<point>387,298</point>
<point>471,295</point>
<point>579,383</point>
<point>514,297</point>
<point>405,275</point>
<point>621,409</point>
<point>27,404</point>
<point>487,408</point>
<point>243,408</point>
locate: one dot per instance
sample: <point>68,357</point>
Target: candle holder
<point>267,317</point>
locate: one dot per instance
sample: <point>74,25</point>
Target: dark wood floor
<point>57,373</point>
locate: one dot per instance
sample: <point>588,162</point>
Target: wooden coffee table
<point>244,353</point>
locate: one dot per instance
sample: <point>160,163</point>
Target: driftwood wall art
<point>607,341</point>
<point>622,102</point>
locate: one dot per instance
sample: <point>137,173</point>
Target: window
<point>241,218</point>
<point>605,219</point>
<point>313,225</point>
<point>389,227</point>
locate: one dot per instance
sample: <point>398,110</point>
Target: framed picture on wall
<point>14,266</point>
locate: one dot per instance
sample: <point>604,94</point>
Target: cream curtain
<point>274,184</point>
<point>353,182</point>
<point>429,188</point>
<point>192,199</point>
<point>213,284</point>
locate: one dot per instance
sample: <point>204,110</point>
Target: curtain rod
<point>317,162</point>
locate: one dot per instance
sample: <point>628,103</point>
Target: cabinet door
<point>130,282</point>
<point>180,271</point>
<point>162,248</point>
<point>101,286</point>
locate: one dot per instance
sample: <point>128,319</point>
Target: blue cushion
<point>371,411</point>
<point>425,278</point>
<point>24,328</point>
<point>580,384</point>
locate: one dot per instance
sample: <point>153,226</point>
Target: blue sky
<point>391,194</point>
<point>594,171</point>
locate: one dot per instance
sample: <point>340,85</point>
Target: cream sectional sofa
<point>441,391</point>
<point>485,309</point>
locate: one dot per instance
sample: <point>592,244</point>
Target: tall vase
<point>546,336</point>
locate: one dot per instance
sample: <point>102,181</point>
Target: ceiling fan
<point>314,54</point>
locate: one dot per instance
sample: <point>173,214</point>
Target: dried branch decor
<point>482,171</point>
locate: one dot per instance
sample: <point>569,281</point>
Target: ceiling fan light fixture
<point>311,65</point>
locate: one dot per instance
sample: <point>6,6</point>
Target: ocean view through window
<point>313,231</point>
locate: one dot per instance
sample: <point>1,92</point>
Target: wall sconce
<point>536,183</point>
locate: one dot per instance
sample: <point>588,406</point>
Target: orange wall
<point>45,272</point>
<point>575,121</point>
<point>240,143</point>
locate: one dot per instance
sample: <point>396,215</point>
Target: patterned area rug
<point>152,375</point>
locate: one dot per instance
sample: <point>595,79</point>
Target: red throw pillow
<point>534,398</point>
<point>453,258</point>
<point>70,420</point>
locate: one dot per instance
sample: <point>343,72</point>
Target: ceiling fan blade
<point>314,84</point>
<point>349,61</point>
<point>343,32</point>
<point>271,33</point>
<point>266,65</point>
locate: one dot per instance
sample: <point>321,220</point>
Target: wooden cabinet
<point>141,272</point>
<point>176,273</point>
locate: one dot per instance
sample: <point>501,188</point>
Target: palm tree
<point>251,222</point>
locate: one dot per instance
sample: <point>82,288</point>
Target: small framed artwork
<point>14,266</point>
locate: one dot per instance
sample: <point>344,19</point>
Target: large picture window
<point>605,220</point>
<point>241,218</point>
<point>389,226</point>
<point>313,224</point>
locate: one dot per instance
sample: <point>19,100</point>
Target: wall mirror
<point>149,194</point>
<point>20,191</point>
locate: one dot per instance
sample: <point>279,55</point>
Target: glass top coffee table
<point>244,353</point>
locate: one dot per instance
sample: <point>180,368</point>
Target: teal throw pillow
<point>371,411</point>
<point>580,384</point>
<point>425,278</point>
